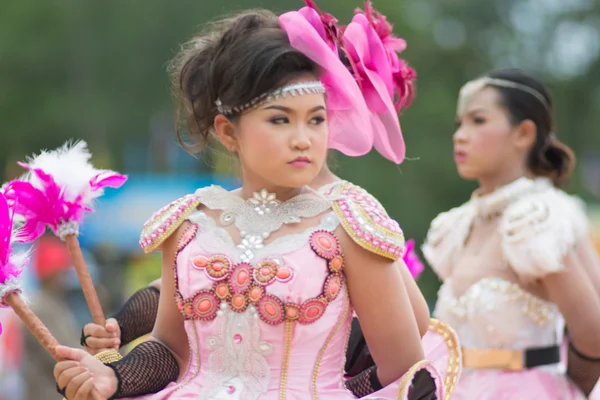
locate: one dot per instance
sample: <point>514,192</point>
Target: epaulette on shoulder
<point>366,221</point>
<point>166,221</point>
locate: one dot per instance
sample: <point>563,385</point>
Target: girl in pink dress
<point>259,285</point>
<point>516,260</point>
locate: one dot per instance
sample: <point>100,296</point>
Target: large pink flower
<point>315,34</point>
<point>385,79</point>
<point>403,75</point>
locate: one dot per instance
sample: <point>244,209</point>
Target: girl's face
<point>283,143</point>
<point>486,143</point>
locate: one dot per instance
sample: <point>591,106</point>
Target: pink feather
<point>9,267</point>
<point>59,187</point>
<point>411,259</point>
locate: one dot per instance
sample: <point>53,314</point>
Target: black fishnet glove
<point>582,369</point>
<point>138,314</point>
<point>147,369</point>
<point>365,383</point>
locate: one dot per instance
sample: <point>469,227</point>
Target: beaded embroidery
<point>366,221</point>
<point>237,365</point>
<point>165,221</point>
<point>243,285</point>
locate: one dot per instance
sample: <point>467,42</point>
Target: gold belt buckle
<point>510,360</point>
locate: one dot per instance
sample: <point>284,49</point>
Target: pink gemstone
<point>312,312</point>
<point>368,236</point>
<point>237,339</point>
<point>350,220</point>
<point>344,206</point>
<point>231,390</point>
<point>376,219</point>
<point>376,242</point>
<point>154,235</point>
<point>359,233</point>
<point>383,247</point>
<point>355,227</point>
<point>160,230</point>
<point>347,213</point>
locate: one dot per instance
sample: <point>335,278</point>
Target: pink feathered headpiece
<point>350,129</point>
<point>386,80</point>
<point>383,79</point>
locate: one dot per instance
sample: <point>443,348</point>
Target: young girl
<point>259,284</point>
<point>516,260</point>
<point>138,315</point>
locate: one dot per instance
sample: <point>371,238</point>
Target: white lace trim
<point>282,245</point>
<point>539,224</point>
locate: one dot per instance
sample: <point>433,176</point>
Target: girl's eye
<point>479,120</point>
<point>279,120</point>
<point>318,120</point>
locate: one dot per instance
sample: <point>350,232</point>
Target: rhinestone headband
<point>470,88</point>
<point>294,89</point>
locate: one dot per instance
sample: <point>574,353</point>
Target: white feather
<point>71,169</point>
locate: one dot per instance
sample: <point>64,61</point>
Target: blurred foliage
<point>96,70</point>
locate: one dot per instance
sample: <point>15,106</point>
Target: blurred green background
<point>95,70</point>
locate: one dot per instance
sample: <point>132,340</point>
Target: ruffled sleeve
<point>538,231</point>
<point>447,234</point>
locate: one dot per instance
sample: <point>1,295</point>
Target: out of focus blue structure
<point>120,214</point>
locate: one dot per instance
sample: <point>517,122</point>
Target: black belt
<point>513,360</point>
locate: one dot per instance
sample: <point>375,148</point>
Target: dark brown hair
<point>548,157</point>
<point>239,59</point>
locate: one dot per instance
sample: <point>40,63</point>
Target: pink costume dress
<point>268,316</point>
<point>537,225</point>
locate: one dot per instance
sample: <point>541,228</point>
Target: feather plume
<point>58,188</point>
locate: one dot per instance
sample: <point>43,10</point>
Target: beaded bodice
<point>265,313</point>
<point>495,313</point>
<point>524,231</point>
<point>261,289</point>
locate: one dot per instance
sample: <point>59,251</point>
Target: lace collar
<point>493,204</point>
<point>262,214</point>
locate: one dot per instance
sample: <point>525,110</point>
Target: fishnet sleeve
<point>138,314</point>
<point>364,383</point>
<point>147,369</point>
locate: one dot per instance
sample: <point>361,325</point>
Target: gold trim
<point>198,358</point>
<point>454,358</point>
<point>289,328</point>
<point>155,244</point>
<point>508,360</point>
<point>408,377</point>
<point>328,339</point>
<point>360,241</point>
